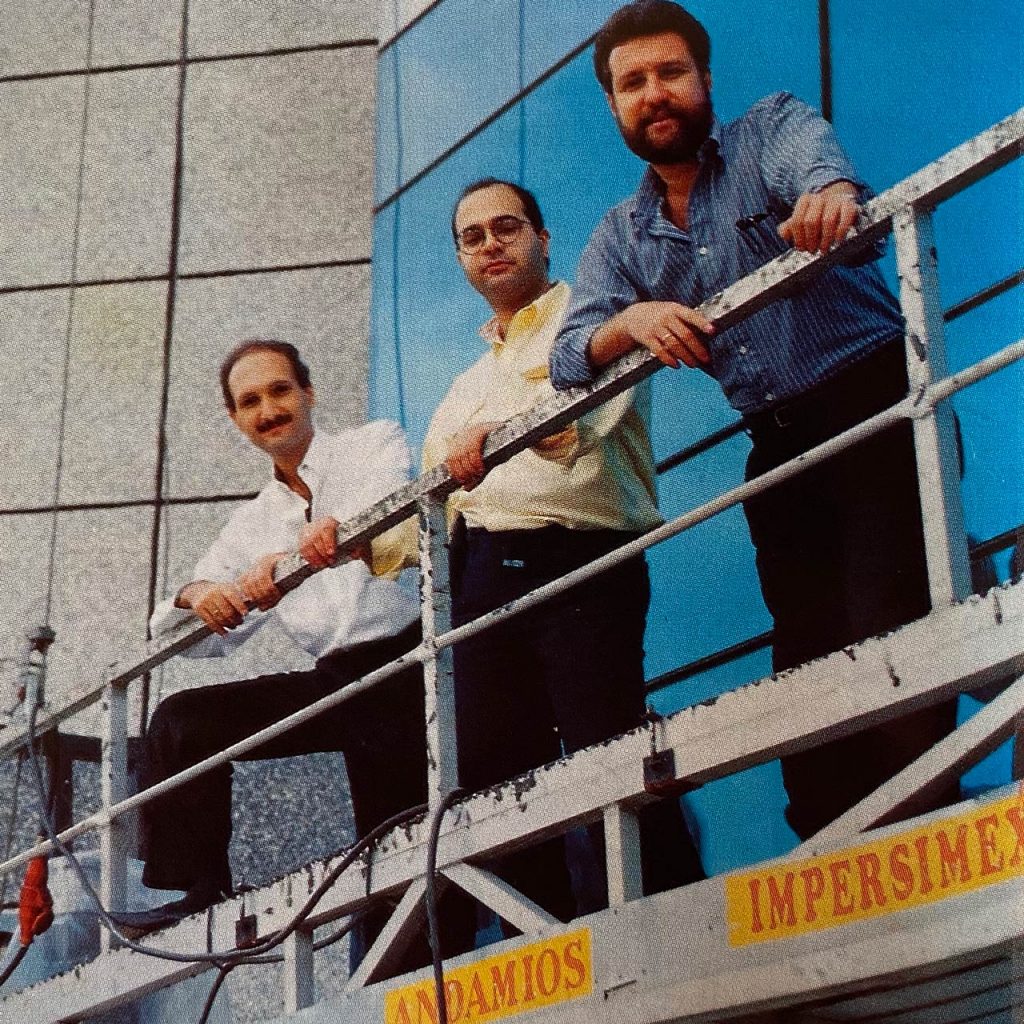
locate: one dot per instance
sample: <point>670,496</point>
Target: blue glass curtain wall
<point>511,93</point>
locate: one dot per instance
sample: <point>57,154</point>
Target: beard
<point>692,130</point>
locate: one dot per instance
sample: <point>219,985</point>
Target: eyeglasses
<point>504,229</point>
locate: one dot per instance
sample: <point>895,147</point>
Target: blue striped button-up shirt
<point>752,168</point>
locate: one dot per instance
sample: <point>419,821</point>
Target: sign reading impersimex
<point>923,865</point>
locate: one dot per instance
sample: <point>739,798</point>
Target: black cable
<point>225,969</point>
<point>211,996</point>
<point>12,823</point>
<point>223,957</point>
<point>433,929</point>
<point>13,965</point>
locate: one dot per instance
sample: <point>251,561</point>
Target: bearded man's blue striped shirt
<point>752,171</point>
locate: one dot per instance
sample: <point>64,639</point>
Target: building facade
<point>507,89</point>
<point>175,176</point>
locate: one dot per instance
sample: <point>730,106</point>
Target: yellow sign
<point>925,865</point>
<point>542,974</point>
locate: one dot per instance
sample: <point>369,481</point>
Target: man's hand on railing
<point>318,544</point>
<point>673,332</point>
<point>257,582</point>
<point>822,219</point>
<point>220,605</point>
<point>465,459</point>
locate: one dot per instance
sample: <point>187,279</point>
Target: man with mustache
<point>350,620</point>
<point>569,673</point>
<point>840,552</point>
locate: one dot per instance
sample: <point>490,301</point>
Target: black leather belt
<point>854,393</point>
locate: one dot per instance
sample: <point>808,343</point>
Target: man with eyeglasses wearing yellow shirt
<point>569,673</point>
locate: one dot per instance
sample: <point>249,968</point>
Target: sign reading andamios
<point>924,865</point>
<point>542,974</point>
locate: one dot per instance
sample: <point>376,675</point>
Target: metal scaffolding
<point>964,643</point>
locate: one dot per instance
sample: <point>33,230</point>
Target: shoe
<point>135,923</point>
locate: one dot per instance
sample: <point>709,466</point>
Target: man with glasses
<point>570,672</point>
<point>840,552</point>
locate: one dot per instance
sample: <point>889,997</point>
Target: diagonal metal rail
<point>832,698</point>
<point>967,163</point>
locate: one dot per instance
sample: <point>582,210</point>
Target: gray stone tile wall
<point>113,393</point>
<point>33,326</point>
<point>40,128</point>
<point>126,212</point>
<point>278,165</point>
<point>278,169</point>
<point>233,26</point>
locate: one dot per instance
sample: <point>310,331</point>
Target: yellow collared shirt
<point>597,474</point>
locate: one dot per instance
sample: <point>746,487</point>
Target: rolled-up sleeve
<point>801,152</point>
<point>602,289</point>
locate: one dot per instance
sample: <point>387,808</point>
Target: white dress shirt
<point>336,608</point>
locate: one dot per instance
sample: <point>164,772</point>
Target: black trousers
<point>840,555</point>
<point>565,675</point>
<point>185,834</point>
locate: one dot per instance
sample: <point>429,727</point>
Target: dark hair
<point>649,18</point>
<point>284,348</point>
<point>530,206</point>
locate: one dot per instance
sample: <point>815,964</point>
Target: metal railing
<point>906,211</point>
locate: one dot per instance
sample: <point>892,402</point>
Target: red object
<point>35,905</point>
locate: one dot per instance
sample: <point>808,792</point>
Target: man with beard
<point>840,552</point>
<point>569,673</point>
<point>352,622</point>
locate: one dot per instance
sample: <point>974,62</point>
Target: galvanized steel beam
<point>960,167</point>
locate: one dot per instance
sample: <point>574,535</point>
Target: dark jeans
<point>567,674</point>
<point>840,555</point>
<point>381,732</point>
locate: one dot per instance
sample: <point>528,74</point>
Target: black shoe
<point>135,923</point>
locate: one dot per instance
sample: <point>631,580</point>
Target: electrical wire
<point>12,824</point>
<point>222,957</point>
<point>433,926</point>
<point>211,996</point>
<point>12,964</point>
<point>226,969</point>
<point>76,232</point>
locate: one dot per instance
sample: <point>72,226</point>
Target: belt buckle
<point>782,416</point>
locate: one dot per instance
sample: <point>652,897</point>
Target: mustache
<point>277,421</point>
<point>665,110</point>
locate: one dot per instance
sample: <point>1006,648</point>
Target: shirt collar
<point>313,466</point>
<point>651,192</point>
<point>531,316</point>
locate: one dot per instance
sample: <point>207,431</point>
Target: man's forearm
<point>610,341</point>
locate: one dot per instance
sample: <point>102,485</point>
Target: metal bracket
<point>247,931</point>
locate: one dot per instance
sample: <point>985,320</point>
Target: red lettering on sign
<point>780,904</point>
<point>899,868</point>
<point>549,972</point>
<point>503,986</point>
<point>814,889</point>
<point>987,841</point>
<point>840,888</point>
<point>952,857</point>
<point>528,995</point>
<point>1013,816</point>
<point>921,845</point>
<point>756,924</point>
<point>870,881</point>
<point>575,969</point>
